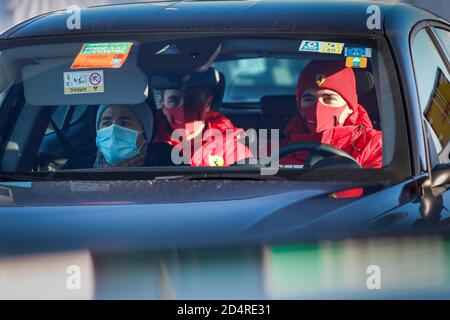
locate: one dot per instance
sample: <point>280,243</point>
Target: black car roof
<point>343,17</point>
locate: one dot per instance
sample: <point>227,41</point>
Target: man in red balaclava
<point>329,113</point>
<point>189,110</point>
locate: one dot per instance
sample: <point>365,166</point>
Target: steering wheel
<point>321,154</point>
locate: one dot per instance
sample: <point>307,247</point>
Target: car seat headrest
<point>218,92</point>
<point>364,81</point>
<point>280,105</point>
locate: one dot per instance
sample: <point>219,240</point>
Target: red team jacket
<point>215,151</point>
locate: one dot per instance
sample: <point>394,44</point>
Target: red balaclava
<point>188,116</point>
<point>331,75</point>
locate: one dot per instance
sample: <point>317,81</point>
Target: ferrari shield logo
<point>320,79</point>
<point>216,161</point>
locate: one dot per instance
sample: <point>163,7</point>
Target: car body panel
<point>102,216</point>
<point>309,16</point>
<point>233,238</point>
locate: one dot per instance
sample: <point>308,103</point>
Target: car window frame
<point>438,42</point>
<point>397,170</point>
<point>445,56</point>
<point>436,31</point>
<point>427,25</point>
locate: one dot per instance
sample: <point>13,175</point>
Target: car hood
<point>104,216</point>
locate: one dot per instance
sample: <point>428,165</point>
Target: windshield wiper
<point>220,176</point>
<point>11,177</point>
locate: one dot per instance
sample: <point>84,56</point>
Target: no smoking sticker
<point>79,82</point>
<point>95,79</point>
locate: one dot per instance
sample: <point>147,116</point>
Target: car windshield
<point>268,105</point>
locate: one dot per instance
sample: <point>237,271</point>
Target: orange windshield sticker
<point>356,62</point>
<point>102,55</point>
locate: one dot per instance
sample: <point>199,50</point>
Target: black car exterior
<point>112,217</point>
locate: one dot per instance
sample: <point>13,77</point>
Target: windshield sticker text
<point>84,82</point>
<point>321,47</point>
<point>102,55</point>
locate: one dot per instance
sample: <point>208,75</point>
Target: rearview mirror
<point>209,78</point>
<point>179,55</point>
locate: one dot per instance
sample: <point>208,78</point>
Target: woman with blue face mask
<point>124,137</point>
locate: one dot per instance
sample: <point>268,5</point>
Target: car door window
<point>433,83</point>
<point>62,116</point>
<point>58,118</point>
<point>277,76</point>
<point>444,39</point>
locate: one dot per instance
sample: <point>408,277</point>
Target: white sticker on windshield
<point>79,82</point>
<point>321,47</point>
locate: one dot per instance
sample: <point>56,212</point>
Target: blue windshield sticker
<point>358,52</point>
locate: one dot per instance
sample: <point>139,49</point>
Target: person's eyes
<point>173,102</point>
<point>127,124</point>
<point>329,99</point>
<point>194,100</point>
<point>307,99</point>
<point>105,123</point>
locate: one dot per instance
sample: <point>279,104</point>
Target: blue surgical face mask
<point>117,143</point>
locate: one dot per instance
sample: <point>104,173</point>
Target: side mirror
<point>441,176</point>
<point>431,203</point>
